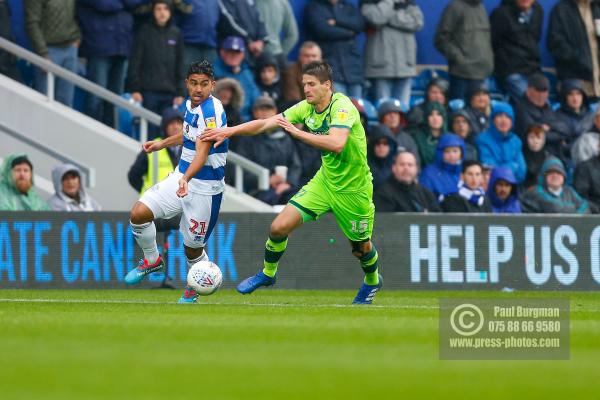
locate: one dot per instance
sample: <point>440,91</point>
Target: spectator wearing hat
<point>231,94</point>
<point>230,64</point>
<point>535,154</point>
<point>268,79</point>
<point>436,91</point>
<point>533,109</point>
<point>270,150</point>
<point>391,48</point>
<point>293,91</point>
<point>381,151</point>
<point>503,192</point>
<point>499,146</point>
<point>552,194</point>
<point>335,26</point>
<point>282,29</point>
<point>16,186</point>
<point>242,19</point>
<point>442,176</point>
<point>479,108</point>
<point>574,112</point>
<point>516,33</point>
<point>402,192</point>
<point>573,42</point>
<point>70,194</point>
<point>463,37</point>
<point>390,114</point>
<point>470,195</point>
<point>428,136</point>
<point>200,39</point>
<point>460,125</point>
<point>156,71</point>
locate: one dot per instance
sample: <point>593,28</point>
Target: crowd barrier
<point>417,251</point>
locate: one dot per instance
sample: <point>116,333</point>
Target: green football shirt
<point>347,171</point>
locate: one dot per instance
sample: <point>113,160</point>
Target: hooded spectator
<point>499,146</point>
<point>443,175</point>
<point>574,112</point>
<point>470,195</point>
<point>503,192</point>
<point>381,152</point>
<point>461,125</point>
<point>436,91</point>
<point>479,108</point>
<point>16,186</point>
<point>535,154</point>
<point>401,192</point>
<point>231,94</point>
<point>70,194</point>
<point>428,136</point>
<point>552,194</point>
<point>391,115</point>
<point>268,79</point>
<point>231,64</point>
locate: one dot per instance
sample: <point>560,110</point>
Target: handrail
<point>144,114</point>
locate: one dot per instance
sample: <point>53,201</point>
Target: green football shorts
<point>354,212</point>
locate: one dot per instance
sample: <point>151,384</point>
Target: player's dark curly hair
<point>201,67</point>
<point>319,69</point>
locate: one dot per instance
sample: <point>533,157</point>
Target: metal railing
<point>145,116</point>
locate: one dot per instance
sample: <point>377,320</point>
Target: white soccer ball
<point>205,278</point>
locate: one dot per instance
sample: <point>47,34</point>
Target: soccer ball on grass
<point>204,278</point>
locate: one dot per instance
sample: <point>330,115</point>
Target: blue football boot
<point>189,296</point>
<point>366,293</point>
<point>249,285</point>
<point>138,273</point>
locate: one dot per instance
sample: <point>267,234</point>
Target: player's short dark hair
<point>469,163</point>
<point>319,69</point>
<point>201,67</point>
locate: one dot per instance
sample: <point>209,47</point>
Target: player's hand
<point>217,135</point>
<point>152,145</point>
<point>288,126</point>
<point>183,188</point>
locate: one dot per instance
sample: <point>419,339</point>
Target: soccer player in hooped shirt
<point>343,184</point>
<point>194,188</point>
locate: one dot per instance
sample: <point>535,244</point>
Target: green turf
<point>135,344</point>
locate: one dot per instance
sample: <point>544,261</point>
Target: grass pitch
<point>137,344</point>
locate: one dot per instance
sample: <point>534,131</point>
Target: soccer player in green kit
<point>343,184</point>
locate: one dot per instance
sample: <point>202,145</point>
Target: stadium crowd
<point>492,134</point>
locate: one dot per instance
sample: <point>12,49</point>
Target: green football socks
<point>368,262</point>
<point>274,249</point>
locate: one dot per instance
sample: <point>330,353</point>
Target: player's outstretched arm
<point>156,145</point>
<point>334,142</point>
<point>202,149</point>
<point>250,128</point>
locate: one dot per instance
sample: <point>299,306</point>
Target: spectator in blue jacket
<point>199,30</point>
<point>499,146</point>
<point>335,25</point>
<point>241,18</point>
<point>443,175</point>
<point>107,28</point>
<point>230,64</point>
<point>503,191</point>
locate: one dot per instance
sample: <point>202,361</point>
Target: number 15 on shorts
<point>360,226</point>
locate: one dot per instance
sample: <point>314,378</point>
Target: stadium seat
<point>382,100</point>
<point>456,104</point>
<point>370,110</point>
<point>127,123</point>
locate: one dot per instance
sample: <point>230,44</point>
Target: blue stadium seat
<point>416,100</point>
<point>370,110</point>
<point>127,122</point>
<point>456,104</point>
<point>553,83</point>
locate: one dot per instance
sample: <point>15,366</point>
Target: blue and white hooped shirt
<point>210,180</point>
